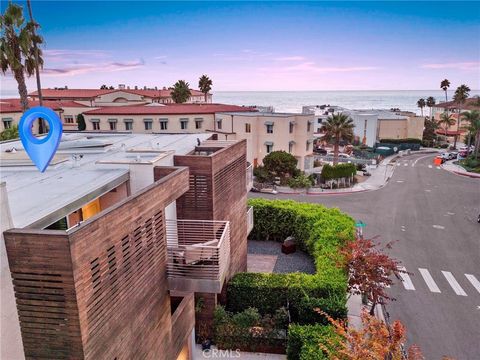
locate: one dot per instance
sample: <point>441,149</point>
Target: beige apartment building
<point>406,125</point>
<point>266,132</point>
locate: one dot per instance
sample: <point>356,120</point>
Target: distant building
<point>373,125</point>
<point>109,247</point>
<point>117,97</point>
<point>11,111</point>
<point>453,108</point>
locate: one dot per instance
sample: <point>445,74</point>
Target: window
<point>68,119</point>
<point>219,124</point>
<point>269,148</point>
<point>269,128</point>
<point>308,146</point>
<point>113,125</point>
<point>163,124</point>
<point>7,123</point>
<point>128,124</point>
<point>184,124</point>
<point>198,123</point>
<point>290,128</point>
<point>319,121</point>
<point>309,126</point>
<point>290,146</point>
<point>96,125</point>
<point>148,124</point>
<point>248,128</point>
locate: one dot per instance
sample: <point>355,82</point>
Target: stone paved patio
<point>262,253</point>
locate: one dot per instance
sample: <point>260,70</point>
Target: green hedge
<point>304,341</point>
<point>402,141</point>
<point>269,292</point>
<point>338,171</point>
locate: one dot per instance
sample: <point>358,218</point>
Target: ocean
<point>292,101</point>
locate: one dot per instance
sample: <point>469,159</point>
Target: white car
<point>340,155</point>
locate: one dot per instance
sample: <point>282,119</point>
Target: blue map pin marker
<point>40,150</point>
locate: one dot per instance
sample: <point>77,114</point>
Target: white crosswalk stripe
<point>434,283</point>
<point>454,283</point>
<point>406,281</point>
<point>429,280</point>
<point>473,280</point>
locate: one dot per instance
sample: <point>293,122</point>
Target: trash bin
<point>289,245</point>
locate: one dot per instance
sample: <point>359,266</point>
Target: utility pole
<point>37,67</point>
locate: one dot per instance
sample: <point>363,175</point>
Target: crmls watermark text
<point>221,354</point>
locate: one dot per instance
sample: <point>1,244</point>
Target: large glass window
<point>163,124</point>
<point>248,128</point>
<point>269,148</point>
<point>113,125</point>
<point>148,124</point>
<point>96,125</point>
<point>269,128</point>
<point>184,124</point>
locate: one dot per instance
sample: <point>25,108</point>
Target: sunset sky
<point>258,46</point>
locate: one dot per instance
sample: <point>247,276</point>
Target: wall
<point>139,127</point>
<point>392,129</point>
<point>11,346</point>
<point>108,304</point>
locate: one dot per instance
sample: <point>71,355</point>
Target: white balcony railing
<point>249,177</point>
<point>249,219</point>
<point>198,255</point>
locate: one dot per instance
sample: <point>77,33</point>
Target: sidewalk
<point>354,310</point>
<point>456,169</point>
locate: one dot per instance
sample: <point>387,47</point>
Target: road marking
<point>406,281</point>
<point>429,280</point>
<point>454,284</point>
<point>422,157</point>
<point>399,181</point>
<point>439,227</point>
<point>430,166</point>
<point>405,164</point>
<point>428,190</point>
<point>473,280</point>
<point>438,167</point>
<point>450,213</point>
<point>398,164</point>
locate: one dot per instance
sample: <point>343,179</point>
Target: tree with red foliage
<point>370,269</point>
<point>374,341</point>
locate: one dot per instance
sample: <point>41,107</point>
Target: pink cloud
<point>290,58</point>
<point>89,68</point>
<point>472,65</point>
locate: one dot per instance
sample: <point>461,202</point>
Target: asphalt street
<point>432,216</point>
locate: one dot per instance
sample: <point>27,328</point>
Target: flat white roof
<point>105,162</point>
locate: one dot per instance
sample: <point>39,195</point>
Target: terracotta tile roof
<point>470,104</point>
<point>13,105</point>
<point>93,93</point>
<point>168,109</point>
<point>450,132</point>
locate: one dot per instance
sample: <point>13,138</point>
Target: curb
<point>462,173</point>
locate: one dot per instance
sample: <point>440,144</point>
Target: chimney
<point>136,87</point>
<point>144,88</point>
<point>121,86</point>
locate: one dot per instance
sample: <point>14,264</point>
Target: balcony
<point>249,177</point>
<point>198,255</point>
<point>249,220</point>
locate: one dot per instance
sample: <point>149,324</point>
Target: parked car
<point>453,155</point>
<point>320,151</point>
<point>445,156</point>
<point>340,155</point>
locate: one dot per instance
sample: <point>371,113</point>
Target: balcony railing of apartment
<point>249,219</point>
<point>249,177</point>
<point>198,254</point>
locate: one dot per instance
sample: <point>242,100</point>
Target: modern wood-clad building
<point>112,271</point>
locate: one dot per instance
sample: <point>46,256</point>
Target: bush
<point>304,311</point>
<point>262,175</point>
<point>338,171</point>
<point>81,122</point>
<point>10,133</point>
<point>247,330</point>
<point>304,341</point>
<point>280,163</point>
<point>300,181</point>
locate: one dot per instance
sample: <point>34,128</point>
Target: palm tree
<point>181,92</point>
<point>444,85</point>
<point>430,103</point>
<point>205,85</point>
<point>17,48</point>
<point>461,95</point>
<point>446,120</point>
<point>473,118</point>
<point>38,63</point>
<point>337,127</point>
<point>421,104</point>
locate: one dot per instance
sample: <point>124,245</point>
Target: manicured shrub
<point>401,141</point>
<point>304,341</point>
<point>305,310</point>
<point>338,171</point>
<point>300,181</point>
